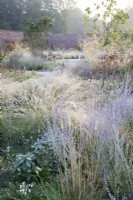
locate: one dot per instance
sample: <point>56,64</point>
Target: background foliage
<point>66,17</point>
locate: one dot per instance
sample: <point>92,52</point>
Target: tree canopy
<point>63,13</point>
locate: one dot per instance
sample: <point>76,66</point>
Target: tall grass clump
<point>96,161</point>
<point>26,104</point>
<point>17,75</point>
<point>93,162</point>
<point>69,138</point>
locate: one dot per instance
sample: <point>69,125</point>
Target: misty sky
<point>83,4</point>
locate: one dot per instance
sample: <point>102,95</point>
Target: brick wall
<point>62,41</point>
<point>11,36</point>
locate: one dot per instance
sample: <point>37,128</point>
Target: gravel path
<point>68,63</point>
<point>74,62</point>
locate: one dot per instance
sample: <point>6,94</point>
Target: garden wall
<point>11,36</point>
<point>55,41</point>
<point>64,41</point>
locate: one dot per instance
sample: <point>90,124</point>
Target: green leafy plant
<point>39,164</point>
<point>25,165</point>
<point>112,21</point>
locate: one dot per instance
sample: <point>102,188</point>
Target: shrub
<point>108,51</point>
<point>13,61</point>
<point>32,63</point>
<point>19,60</point>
